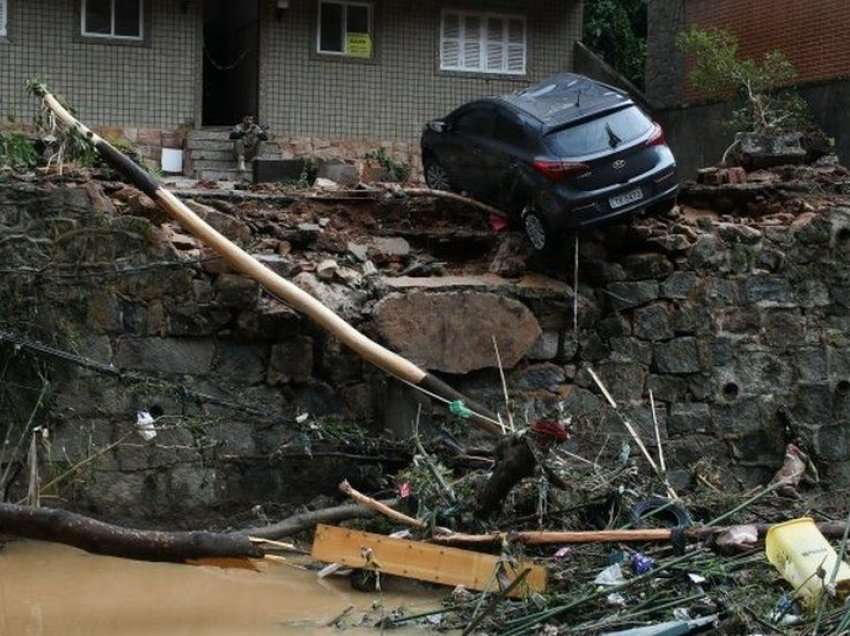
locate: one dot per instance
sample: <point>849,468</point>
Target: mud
<point>48,589</point>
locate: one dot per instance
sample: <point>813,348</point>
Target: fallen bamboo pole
<point>832,529</point>
<point>276,285</point>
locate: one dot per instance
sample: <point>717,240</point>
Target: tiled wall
<point>394,95</point>
<point>148,85</point>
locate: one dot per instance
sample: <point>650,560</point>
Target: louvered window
<point>3,12</point>
<point>482,43</point>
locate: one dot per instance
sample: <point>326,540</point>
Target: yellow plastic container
<point>798,550</point>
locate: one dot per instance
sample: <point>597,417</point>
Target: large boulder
<point>453,331</point>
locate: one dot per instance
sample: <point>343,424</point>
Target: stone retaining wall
<point>740,330</point>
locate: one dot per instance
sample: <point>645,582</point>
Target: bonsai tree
<point>767,105</point>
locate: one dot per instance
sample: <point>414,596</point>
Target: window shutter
<point>450,54</point>
<point>472,42</point>
<point>495,44</point>
<point>516,46</point>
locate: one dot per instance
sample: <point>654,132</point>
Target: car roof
<point>564,98</point>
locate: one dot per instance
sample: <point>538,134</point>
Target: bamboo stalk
<point>377,506</point>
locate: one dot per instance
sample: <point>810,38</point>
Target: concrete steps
<point>210,155</point>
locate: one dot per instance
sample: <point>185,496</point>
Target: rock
<point>632,349</point>
<point>239,363</point>
<point>166,355</point>
<point>624,380</point>
<point>453,331</point>
<point>546,347</point>
<point>233,290</point>
<point>339,298</point>
<point>327,185</point>
<point>686,418</point>
<point>679,355</point>
<point>344,174</point>
<point>231,227</point>
<point>511,256</point>
<point>642,266</point>
<point>766,150</point>
<point>625,295</point>
<point>327,269</point>
<point>678,285</point>
<point>544,376</point>
<point>652,322</point>
<point>390,247</point>
<point>291,361</point>
<point>358,251</point>
<point>767,289</point>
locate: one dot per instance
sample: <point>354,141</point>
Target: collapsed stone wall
<point>738,327</point>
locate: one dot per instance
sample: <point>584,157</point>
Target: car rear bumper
<point>599,210</point>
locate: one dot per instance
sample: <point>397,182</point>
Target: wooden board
<point>421,561</point>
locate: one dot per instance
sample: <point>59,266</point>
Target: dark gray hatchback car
<point>563,154</point>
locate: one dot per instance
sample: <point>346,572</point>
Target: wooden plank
<point>421,561</point>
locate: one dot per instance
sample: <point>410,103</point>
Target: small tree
<point>768,105</point>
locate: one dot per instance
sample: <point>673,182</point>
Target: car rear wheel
<point>436,176</point>
<point>538,230</point>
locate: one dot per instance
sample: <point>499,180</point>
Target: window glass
<point>98,16</point>
<point>330,36</point>
<point>605,133</point>
<point>358,19</point>
<point>478,121</point>
<point>128,18</point>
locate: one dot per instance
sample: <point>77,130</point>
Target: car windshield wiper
<point>613,139</point>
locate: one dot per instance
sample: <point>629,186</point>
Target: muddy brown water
<point>49,589</point>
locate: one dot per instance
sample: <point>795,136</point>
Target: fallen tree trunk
<point>61,526</point>
<point>306,520</point>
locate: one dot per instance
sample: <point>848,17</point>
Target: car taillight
<point>560,170</point>
<point>657,137</point>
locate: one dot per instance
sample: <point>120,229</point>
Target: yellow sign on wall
<point>358,45</point>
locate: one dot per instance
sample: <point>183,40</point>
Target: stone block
<point>338,364</point>
<point>813,405</point>
<point>709,253</point>
<point>689,417</point>
<point>624,380</point>
<point>767,289</point>
<point>165,355</point>
<point>652,322</point>
<point>625,295</point>
<point>643,266</point>
<point>291,361</point>
<point>679,355</point>
<point>545,376</point>
<point>233,290</point>
<point>832,443</point>
<point>632,349</point>
<point>242,364</point>
<point>679,285</point>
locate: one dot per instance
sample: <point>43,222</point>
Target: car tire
<point>436,176</point>
<point>538,231</point>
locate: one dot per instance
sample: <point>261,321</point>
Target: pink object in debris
<point>564,552</point>
<point>498,223</point>
<point>404,490</point>
<point>738,539</point>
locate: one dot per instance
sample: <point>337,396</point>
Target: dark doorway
<point>231,61</point>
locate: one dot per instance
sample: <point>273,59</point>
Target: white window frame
<point>4,17</point>
<point>111,35</point>
<point>346,4</point>
<point>483,17</point>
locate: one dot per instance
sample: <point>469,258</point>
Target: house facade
<point>327,77</point>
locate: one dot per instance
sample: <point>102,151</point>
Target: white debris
<point>144,423</point>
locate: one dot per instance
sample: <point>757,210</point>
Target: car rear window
<point>605,133</point>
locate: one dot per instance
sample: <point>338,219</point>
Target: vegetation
<point>17,151</point>
<point>766,103</point>
<point>616,30</point>
<point>397,170</point>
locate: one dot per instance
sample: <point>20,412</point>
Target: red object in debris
<point>551,428</point>
<point>498,223</point>
<point>404,490</point>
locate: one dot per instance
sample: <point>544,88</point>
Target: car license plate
<point>624,199</point>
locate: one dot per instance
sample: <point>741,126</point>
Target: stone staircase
<point>209,155</point>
